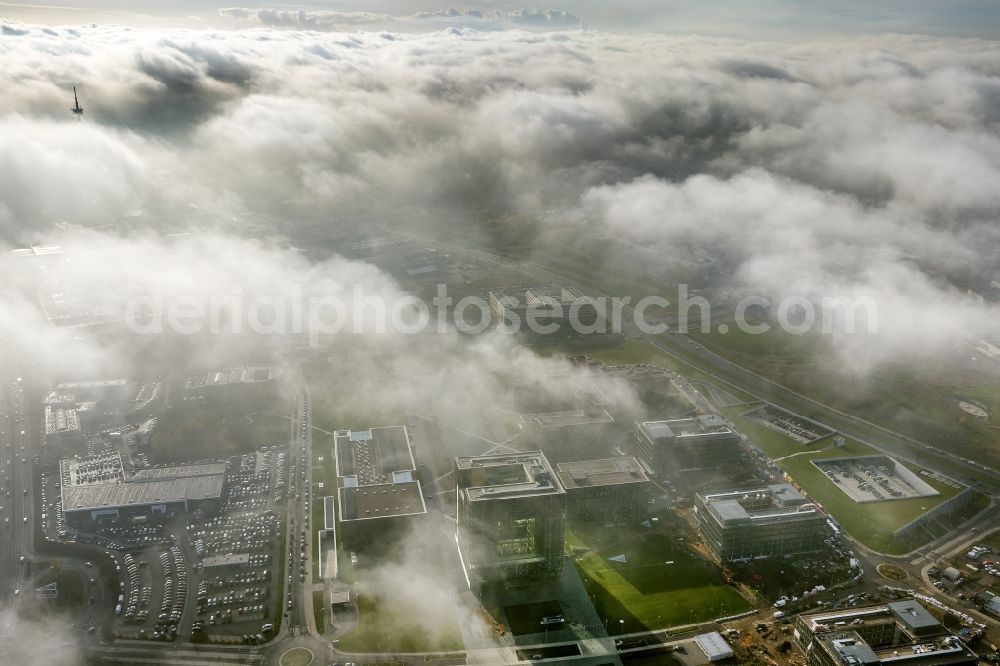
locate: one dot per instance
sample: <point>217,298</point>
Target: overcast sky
<point>786,19</point>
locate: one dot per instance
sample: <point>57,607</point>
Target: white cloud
<point>798,160</point>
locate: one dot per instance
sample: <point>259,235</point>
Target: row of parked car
<point>128,573</point>
<point>174,596</point>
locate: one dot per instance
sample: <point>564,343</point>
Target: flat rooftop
<point>570,418</point>
<point>909,613</point>
<point>58,397</point>
<point>506,476</point>
<point>100,469</point>
<point>384,500</point>
<point>606,472</point>
<point>148,486</point>
<point>850,649</point>
<point>249,374</point>
<point>60,420</point>
<point>772,503</point>
<point>97,383</point>
<point>914,616</point>
<point>329,515</point>
<point>697,426</point>
<point>923,640</point>
<point>374,456</point>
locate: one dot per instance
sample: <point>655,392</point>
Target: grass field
<point>916,397</point>
<point>872,524</point>
<point>661,583</point>
<point>216,430</point>
<point>318,612</point>
<point>642,352</point>
<point>385,626</point>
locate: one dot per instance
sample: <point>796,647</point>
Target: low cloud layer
<point>860,167</point>
<point>479,19</point>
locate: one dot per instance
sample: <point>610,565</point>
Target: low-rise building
<point>567,436</point>
<point>613,490</point>
<point>378,493</point>
<point>772,521</point>
<point>373,513</point>
<point>62,427</point>
<point>511,520</point>
<point>900,633</point>
<point>681,445</point>
<point>110,494</point>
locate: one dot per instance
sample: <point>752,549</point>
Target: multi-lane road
<point>17,515</point>
<point>681,347</point>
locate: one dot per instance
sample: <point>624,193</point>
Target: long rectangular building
<point>900,633</point>
<point>762,522</point>
<point>151,492</point>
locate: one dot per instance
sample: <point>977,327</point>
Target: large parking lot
<point>238,552</point>
<point>873,478</point>
<point>792,425</point>
<point>205,576</point>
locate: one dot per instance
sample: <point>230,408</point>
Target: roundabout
<point>891,571</point>
<point>298,650</point>
<point>296,656</point>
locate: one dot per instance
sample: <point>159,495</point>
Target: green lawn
<point>216,430</point>
<point>883,391</point>
<point>388,626</point>
<point>645,591</point>
<point>914,396</point>
<point>873,523</point>
<point>318,611</point>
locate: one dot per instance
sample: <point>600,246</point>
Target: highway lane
<point>686,350</point>
<point>15,472</point>
<point>137,652</point>
<point>298,617</point>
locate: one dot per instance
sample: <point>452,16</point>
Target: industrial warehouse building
<point>613,490</point>
<point>99,490</point>
<point>511,522</point>
<point>682,445</point>
<point>763,522</point>
<point>901,633</point>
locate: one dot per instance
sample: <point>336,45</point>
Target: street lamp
<point>621,627</point>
